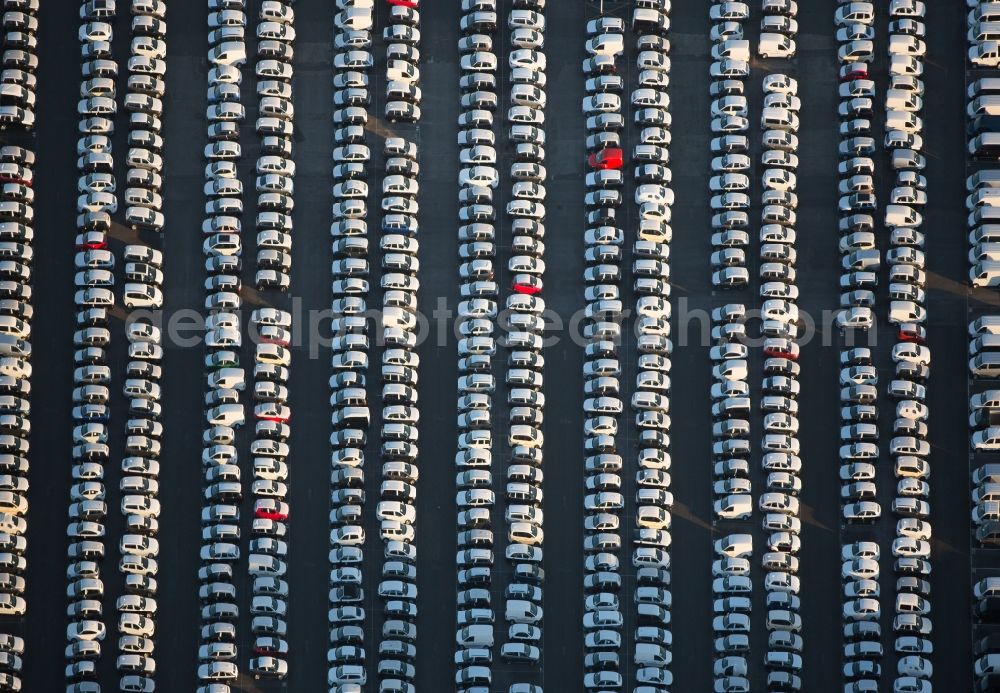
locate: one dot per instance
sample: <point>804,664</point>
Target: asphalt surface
<point>180,481</point>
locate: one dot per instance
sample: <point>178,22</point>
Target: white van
<point>261,564</point>
<point>734,49</point>
<point>985,54</point>
<point>906,311</point>
<point>985,214</point>
<point>522,611</point>
<point>267,352</point>
<point>985,365</point>
<point>982,31</point>
<point>13,347</point>
<point>775,118</point>
<point>402,71</point>
<point>983,197</point>
<point>138,295</point>
<point>984,252</point>
<point>986,12</point>
<point>523,513</point>
<point>987,233</point>
<point>903,120</point>
<point>988,473</point>
<point>987,324</point>
<point>734,545</point>
<point>13,503</point>
<point>984,274</point>
<point>775,46</point>
<point>988,104</point>
<point>354,19</point>
<point>528,436</point>
<point>902,216</point>
<point>228,53</point>
<point>231,415</point>
<point>988,399</point>
<point>228,378</point>
<point>525,533</point>
<point>15,367</point>
<point>985,178</point>
<point>984,85</point>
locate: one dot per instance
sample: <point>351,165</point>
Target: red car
<point>912,332</point>
<point>609,157</point>
<point>852,71</point>
<point>781,349</point>
<point>91,240</point>
<point>412,4</point>
<point>19,181</point>
<point>272,411</point>
<point>270,334</point>
<point>270,509</point>
<point>526,284</point>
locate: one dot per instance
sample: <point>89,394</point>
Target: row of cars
<point>350,414</point>
<point>474,639</point>
<point>730,203</point>
<point>146,88</point>
<point>225,378</point>
<point>602,406</point>
<point>778,29</point>
<point>983,206</point>
<point>604,240</point>
<point>275,169</point>
<point>729,183</point>
<point>396,509</point>
<point>652,656</point>
<point>984,428</point>
<point>402,70</point>
<point>858,379</point>
<point>523,308</point>
<point>984,42</point>
<point>272,327</point>
<point>986,644</point>
<point>909,447</point>
<point>478,313</point>
<point>983,185</point>
<point>780,444</point>
<point>139,547</point>
<point>17,101</point>
<point>144,102</point>
<point>861,260</point>
<point>16,238</point>
<point>275,127</point>
<point>94,297</point>
<point>19,61</point>
<point>400,416</point>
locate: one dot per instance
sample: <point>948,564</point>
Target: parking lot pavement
<point>562,651</point>
<point>563,654</point>
<point>53,328</point>
<point>181,483</point>
<point>308,569</point>
<point>817,281</point>
<point>438,201</point>
<point>691,431</point>
<point>947,299</point>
